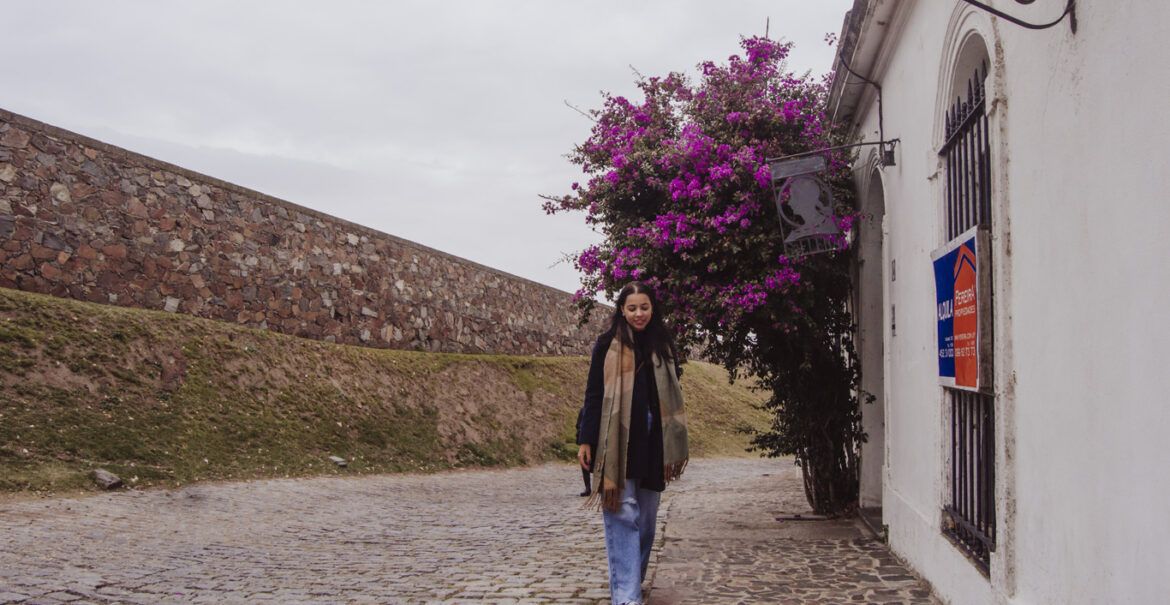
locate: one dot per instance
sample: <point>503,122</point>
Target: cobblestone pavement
<point>724,544</point>
<point>497,536</point>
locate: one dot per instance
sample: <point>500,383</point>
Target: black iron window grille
<point>969,516</point>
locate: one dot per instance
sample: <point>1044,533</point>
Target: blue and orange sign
<point>959,315</point>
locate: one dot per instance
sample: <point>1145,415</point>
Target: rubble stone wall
<point>90,221</point>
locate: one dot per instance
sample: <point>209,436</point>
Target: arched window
<point>965,154</point>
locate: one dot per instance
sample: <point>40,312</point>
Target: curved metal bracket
<point>1070,11</point>
<point>887,152</point>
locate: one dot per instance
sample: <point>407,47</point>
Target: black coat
<point>580,424</point>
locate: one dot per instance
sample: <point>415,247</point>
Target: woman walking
<point>634,433</point>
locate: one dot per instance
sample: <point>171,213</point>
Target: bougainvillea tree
<point>678,182</point>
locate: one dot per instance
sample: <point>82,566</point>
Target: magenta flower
<point>763,176</point>
<point>679,182</point>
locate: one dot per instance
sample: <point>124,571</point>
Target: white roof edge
<point>864,34</point>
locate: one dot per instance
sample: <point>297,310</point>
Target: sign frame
<point>805,206</point>
<point>789,168</point>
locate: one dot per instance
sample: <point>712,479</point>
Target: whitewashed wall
<point>1082,215</point>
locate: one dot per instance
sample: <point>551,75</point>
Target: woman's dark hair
<point>660,339</point>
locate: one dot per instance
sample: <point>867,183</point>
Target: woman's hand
<point>585,455</point>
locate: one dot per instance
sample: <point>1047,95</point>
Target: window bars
<point>969,519</point>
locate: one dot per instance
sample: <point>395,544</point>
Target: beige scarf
<point>609,468</point>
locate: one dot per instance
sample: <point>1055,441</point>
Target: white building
<point>1064,163</point>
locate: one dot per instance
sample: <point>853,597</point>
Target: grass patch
<point>165,399</point>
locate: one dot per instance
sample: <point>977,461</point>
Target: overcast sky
<point>438,121</point>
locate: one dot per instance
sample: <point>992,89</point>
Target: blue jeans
<point>629,534</point>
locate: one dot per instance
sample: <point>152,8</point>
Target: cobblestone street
<point>724,544</point>
<point>502,536</point>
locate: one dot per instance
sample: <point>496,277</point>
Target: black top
<point>644,454</point>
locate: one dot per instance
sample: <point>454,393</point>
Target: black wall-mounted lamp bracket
<point>1070,11</point>
<point>887,151</point>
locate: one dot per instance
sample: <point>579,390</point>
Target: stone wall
<point>86,220</point>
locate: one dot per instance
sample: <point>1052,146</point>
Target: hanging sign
<point>805,206</point>
<point>963,295</point>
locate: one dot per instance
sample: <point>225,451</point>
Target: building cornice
<point>868,30</point>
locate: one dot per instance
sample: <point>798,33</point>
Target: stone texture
<point>491,536</point>
<point>141,227</point>
<point>60,193</point>
<point>496,536</point>
<point>14,138</point>
<point>724,543</point>
<point>106,479</point>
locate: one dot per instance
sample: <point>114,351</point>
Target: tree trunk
<point>830,470</point>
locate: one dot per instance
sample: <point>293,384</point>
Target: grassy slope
<point>164,399</point>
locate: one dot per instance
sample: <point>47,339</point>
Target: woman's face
<point>637,311</point>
